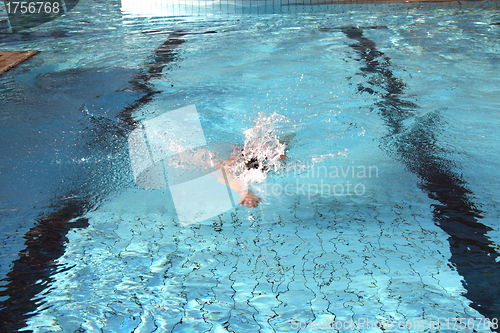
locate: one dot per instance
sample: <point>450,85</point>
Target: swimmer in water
<point>240,155</point>
<point>236,162</point>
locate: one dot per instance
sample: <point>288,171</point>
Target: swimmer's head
<point>252,163</point>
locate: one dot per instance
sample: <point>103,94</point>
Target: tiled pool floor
<point>263,270</point>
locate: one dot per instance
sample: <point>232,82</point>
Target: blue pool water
<point>386,210</point>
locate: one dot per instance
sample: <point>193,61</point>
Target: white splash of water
<point>262,150</point>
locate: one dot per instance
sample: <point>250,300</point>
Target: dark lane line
<point>164,55</point>
<point>417,148</point>
<point>45,242</point>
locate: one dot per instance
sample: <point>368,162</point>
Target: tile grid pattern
<point>240,273</point>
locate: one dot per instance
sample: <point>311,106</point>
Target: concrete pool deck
<point>9,60</point>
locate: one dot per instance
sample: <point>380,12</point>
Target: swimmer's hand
<point>250,200</point>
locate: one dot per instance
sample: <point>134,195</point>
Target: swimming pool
<point>394,107</point>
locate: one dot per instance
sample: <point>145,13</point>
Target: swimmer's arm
<point>247,197</point>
